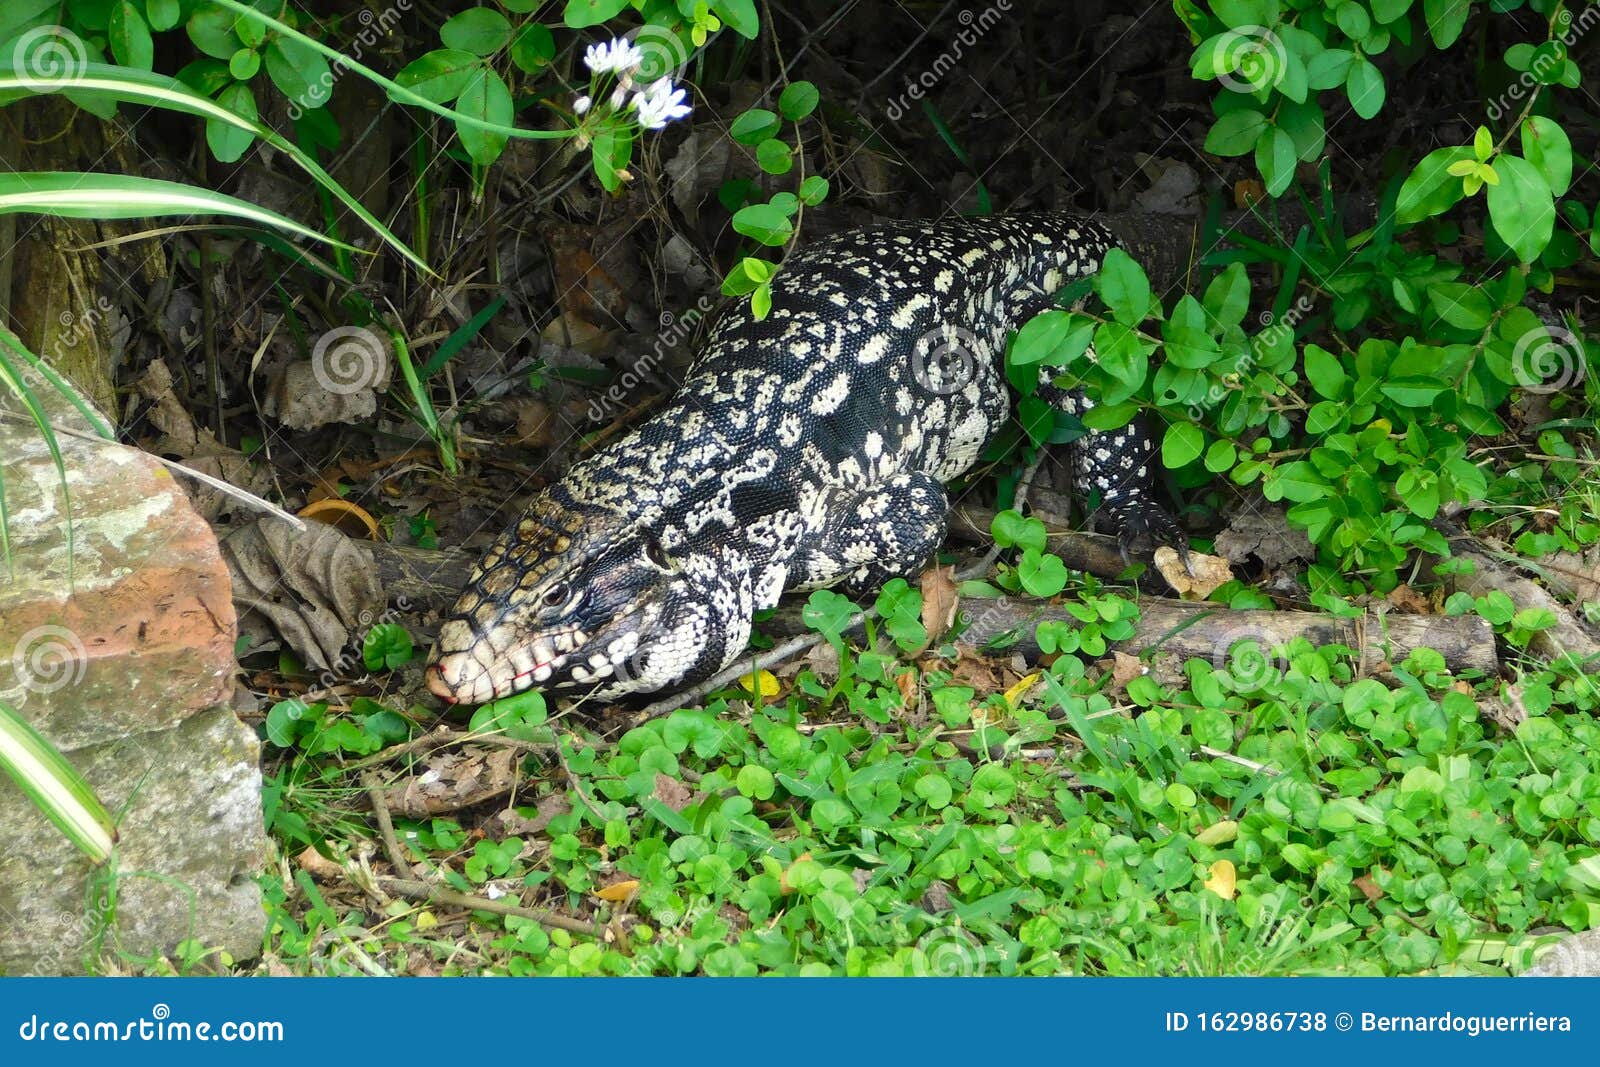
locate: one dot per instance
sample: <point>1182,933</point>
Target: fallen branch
<point>1187,630</point>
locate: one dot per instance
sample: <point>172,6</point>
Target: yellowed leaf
<point>761,683</point>
<point>426,920</point>
<point>617,892</point>
<point>1219,833</point>
<point>1020,689</point>
<point>1223,879</point>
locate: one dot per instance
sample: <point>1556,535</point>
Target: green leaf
<point>244,64</point>
<point>1042,574</point>
<point>1275,159</point>
<point>814,190</point>
<point>1125,288</point>
<point>1039,337</point>
<point>440,75</point>
<point>129,36</point>
<point>1011,530</point>
<point>1431,189</point>
<point>1463,306</point>
<point>533,49</point>
<point>765,223</point>
<point>163,14</point>
<point>479,30</point>
<point>1182,445</point>
<point>211,30</point>
<point>798,100</point>
<point>1446,19</point>
<point>227,141</point>
<point>386,646</point>
<point>1236,133</point>
<point>754,126</point>
<point>1364,86</point>
<point>486,97</point>
<point>1521,207</point>
<point>775,156</point>
<point>1324,372</point>
<point>1546,145</point>
<point>580,14</point>
<point>740,15</point>
<point>299,72</point>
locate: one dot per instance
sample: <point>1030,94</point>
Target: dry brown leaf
<point>673,793</point>
<point>1409,600</point>
<point>1368,887</point>
<point>1125,668</point>
<point>1197,581</point>
<point>318,866</point>
<point>939,601</point>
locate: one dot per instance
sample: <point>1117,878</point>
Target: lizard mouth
<point>554,659</point>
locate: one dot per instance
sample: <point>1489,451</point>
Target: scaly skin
<point>803,450</point>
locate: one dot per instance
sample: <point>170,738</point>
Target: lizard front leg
<point>870,536</point>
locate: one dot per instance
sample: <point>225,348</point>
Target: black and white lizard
<point>805,449</point>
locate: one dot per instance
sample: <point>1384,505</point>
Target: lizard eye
<point>557,595</point>
<point>656,554</point>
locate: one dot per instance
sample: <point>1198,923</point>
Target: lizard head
<point>571,597</point>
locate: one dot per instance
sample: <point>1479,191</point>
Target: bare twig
<point>412,889</point>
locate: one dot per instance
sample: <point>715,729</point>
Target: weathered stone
<point>123,658</point>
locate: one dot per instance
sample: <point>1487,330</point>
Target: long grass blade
<point>143,87</point>
<point>82,195</point>
<point>54,786</point>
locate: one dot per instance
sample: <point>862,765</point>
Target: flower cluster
<point>653,106</point>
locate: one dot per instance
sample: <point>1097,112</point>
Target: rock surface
<point>121,654</point>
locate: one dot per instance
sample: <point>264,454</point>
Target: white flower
<point>618,55</point>
<point>619,96</point>
<point>660,103</point>
<point>581,105</point>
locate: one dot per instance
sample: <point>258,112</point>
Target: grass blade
<point>54,786</point>
<point>82,195</point>
<point>156,90</point>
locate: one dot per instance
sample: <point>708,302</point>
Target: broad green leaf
<point>740,15</point>
<point>1182,445</point>
<point>1125,288</point>
<point>1236,133</point>
<point>1324,372</point>
<point>1546,145</point>
<point>1275,159</point>
<point>227,141</point>
<point>798,100</point>
<point>1364,86</point>
<point>440,75</point>
<point>479,30</point>
<point>486,97</point>
<point>300,72</point>
<point>129,36</point>
<point>580,14</point>
<point>1521,207</point>
<point>1431,189</point>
